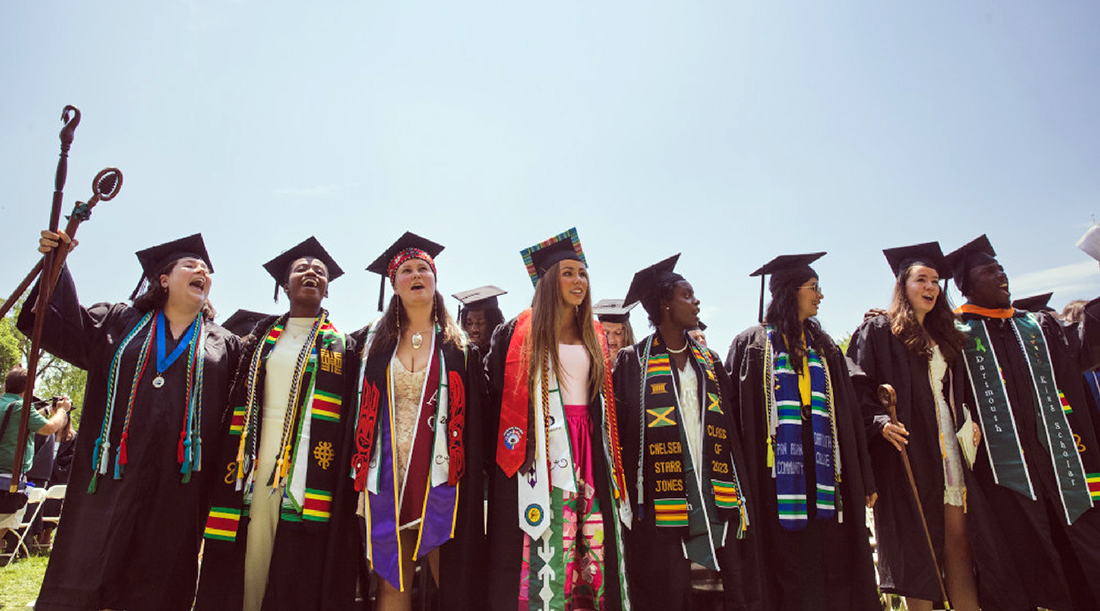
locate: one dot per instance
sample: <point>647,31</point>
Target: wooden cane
<point>105,187</point>
<point>889,399</point>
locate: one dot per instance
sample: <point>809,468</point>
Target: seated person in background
<point>11,406</point>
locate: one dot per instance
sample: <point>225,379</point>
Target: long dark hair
<point>542,340</point>
<point>938,328</point>
<point>155,296</point>
<point>389,326</point>
<point>782,313</point>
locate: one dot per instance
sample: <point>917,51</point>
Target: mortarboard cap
<point>968,256</point>
<point>1090,242</point>
<point>702,326</point>
<point>408,246</point>
<point>158,257</point>
<point>784,269</point>
<point>482,298</point>
<point>613,310</point>
<point>927,254</point>
<point>279,267</point>
<point>545,254</point>
<point>242,322</point>
<point>1035,303</point>
<point>648,280</point>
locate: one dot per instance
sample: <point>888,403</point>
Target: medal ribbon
<point>163,363</point>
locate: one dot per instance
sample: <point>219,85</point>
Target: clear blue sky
<point>728,131</point>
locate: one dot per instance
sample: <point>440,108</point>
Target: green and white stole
<point>1002,441</point>
<point>684,494</point>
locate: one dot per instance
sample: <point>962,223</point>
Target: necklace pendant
<point>158,381</point>
<point>417,340</point>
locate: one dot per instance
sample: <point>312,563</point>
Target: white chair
<point>58,493</point>
<point>35,496</point>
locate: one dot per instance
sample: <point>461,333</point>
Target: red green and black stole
<point>310,440</point>
<point>430,488</point>
<point>670,479</point>
<point>1076,471</point>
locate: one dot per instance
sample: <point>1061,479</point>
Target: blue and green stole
<point>786,453</point>
<point>306,465</point>
<point>701,498</point>
<point>1055,417</point>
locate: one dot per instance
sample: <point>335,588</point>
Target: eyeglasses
<point>815,287</point>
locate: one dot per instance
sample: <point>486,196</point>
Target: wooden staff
<point>105,187</point>
<point>70,116</point>
<point>889,399</point>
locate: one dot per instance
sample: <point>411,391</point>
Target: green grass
<point>20,581</point>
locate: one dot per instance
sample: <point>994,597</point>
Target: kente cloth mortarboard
<point>783,269</point>
<point>646,282</point>
<point>156,258</point>
<point>927,254</point>
<point>1034,303</point>
<point>968,256</point>
<point>545,254</point>
<point>1090,242</point>
<point>279,267</point>
<point>612,310</point>
<point>482,298</point>
<point>408,246</point>
<point>241,322</point>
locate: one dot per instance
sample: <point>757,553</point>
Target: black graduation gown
<point>462,579</point>
<point>134,543</point>
<point>828,565</point>
<point>1057,554</point>
<point>505,536</point>
<point>904,563</point>
<point>658,573</point>
<point>313,564</point>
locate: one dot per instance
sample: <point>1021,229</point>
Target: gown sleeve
<point>70,331</point>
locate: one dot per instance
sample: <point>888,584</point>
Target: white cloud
<point>1072,279</point>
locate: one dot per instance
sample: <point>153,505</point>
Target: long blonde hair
<point>542,341</point>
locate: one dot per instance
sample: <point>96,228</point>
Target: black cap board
<point>279,267</point>
<point>242,322</point>
<point>783,269</point>
<point>646,282</point>
<point>156,258</point>
<point>544,255</point>
<point>927,254</point>
<point>481,298</point>
<point>409,241</point>
<point>1035,303</point>
<point>613,310</point>
<point>968,256</point>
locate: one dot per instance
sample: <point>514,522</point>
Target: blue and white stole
<point>785,452</point>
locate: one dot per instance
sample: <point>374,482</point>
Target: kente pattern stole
<point>429,491</point>
<point>1077,487</point>
<point>309,441</point>
<point>785,422</point>
<point>673,481</point>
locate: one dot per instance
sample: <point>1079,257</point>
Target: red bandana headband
<point>405,255</point>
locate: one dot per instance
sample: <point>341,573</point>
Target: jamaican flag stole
<point>1055,418</point>
<point>669,477</point>
<point>311,434</point>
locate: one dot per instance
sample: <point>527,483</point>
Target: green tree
<point>10,352</point>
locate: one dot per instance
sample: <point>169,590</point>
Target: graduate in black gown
<point>287,539</point>
<point>681,452</point>
<point>556,491</point>
<point>479,314</point>
<point>417,458</point>
<point>159,374</point>
<point>916,348</point>
<point>808,472</point>
<point>1026,375</point>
